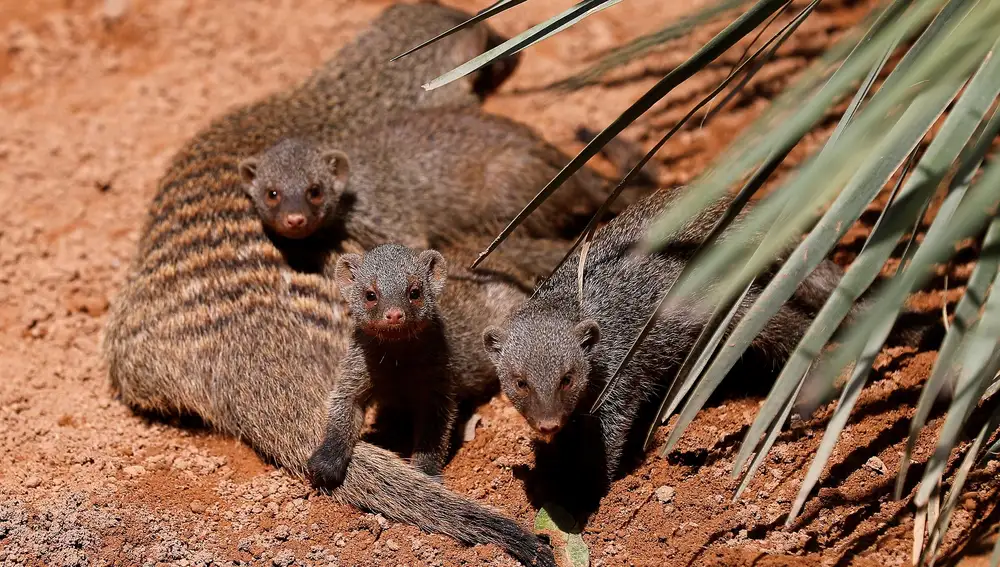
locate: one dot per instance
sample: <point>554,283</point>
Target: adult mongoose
<point>213,321</point>
<point>554,353</point>
<point>424,179</point>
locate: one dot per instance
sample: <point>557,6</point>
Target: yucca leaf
<point>848,398</point>
<point>621,55</point>
<point>966,313</point>
<point>785,388</point>
<point>772,435</point>
<point>778,39</point>
<point>763,139</point>
<point>864,186</point>
<point>947,229</point>
<point>488,12</point>
<point>538,33</point>
<point>691,369</point>
<point>588,232</point>
<point>895,219</point>
<point>816,392</point>
<point>789,382</point>
<point>995,556</point>
<point>980,363</point>
<point>708,53</point>
<point>958,483</point>
<point>823,174</point>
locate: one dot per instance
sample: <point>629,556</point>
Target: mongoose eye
<point>521,384</point>
<point>315,194</point>
<point>414,293</point>
<point>272,197</point>
<point>370,296</point>
<point>566,380</point>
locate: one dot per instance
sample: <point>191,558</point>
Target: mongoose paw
<point>328,467</point>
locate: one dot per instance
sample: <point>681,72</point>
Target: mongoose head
<point>544,362</point>
<point>392,290</point>
<point>295,185</point>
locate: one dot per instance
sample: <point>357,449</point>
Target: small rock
<point>32,482</point>
<point>114,10</point>
<point>134,471</point>
<point>665,494</point>
<point>282,532</point>
<point>197,507</point>
<point>284,558</point>
<point>969,504</point>
<point>876,465</point>
<point>391,544</point>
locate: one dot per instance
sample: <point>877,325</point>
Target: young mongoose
<point>295,186</point>
<point>553,354</point>
<point>399,356</point>
<point>211,320</point>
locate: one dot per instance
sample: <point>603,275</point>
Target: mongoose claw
<point>328,466</point>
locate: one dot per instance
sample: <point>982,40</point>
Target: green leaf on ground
<point>564,535</point>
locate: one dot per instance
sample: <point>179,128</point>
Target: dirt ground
<point>94,99</point>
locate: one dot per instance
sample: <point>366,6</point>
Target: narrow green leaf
<point>621,55</point>
<point>797,109</point>
<point>708,53</point>
<point>785,388</point>
<point>538,33</point>
<point>778,39</point>
<point>772,435</point>
<point>488,12</point>
<point>564,533</point>
<point>968,308</point>
<point>941,526</point>
<point>972,213</point>
<point>705,347</point>
<point>995,556</point>
<point>823,175</point>
<point>980,363</point>
<point>864,186</point>
<point>848,398</point>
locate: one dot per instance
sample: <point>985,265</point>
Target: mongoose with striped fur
<point>213,321</point>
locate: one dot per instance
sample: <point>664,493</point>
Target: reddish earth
<point>94,103</point>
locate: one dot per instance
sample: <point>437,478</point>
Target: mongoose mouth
<point>296,233</point>
<point>394,332</point>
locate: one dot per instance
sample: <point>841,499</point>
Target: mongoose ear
<point>436,269</point>
<point>344,273</point>
<point>493,339</point>
<point>588,333</point>
<point>248,171</point>
<point>340,167</point>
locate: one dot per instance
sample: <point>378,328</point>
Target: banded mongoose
<point>400,356</point>
<point>423,180</point>
<point>212,321</point>
<point>553,354</point>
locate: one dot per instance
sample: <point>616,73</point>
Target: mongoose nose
<point>548,427</point>
<point>394,316</point>
<point>295,220</point>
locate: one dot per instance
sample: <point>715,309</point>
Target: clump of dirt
<point>95,97</point>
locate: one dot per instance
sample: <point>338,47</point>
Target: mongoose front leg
<point>432,434</point>
<point>616,421</point>
<point>328,464</point>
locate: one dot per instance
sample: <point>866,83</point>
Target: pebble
<point>876,465</point>
<point>665,494</point>
<point>32,482</point>
<point>284,558</point>
<point>197,507</point>
<point>134,471</point>
<point>392,545</point>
